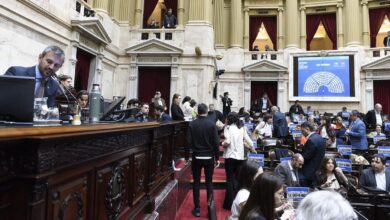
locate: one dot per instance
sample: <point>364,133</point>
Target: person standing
<point>386,40</point>
<point>313,153</point>
<point>49,62</point>
<point>158,100</point>
<point>265,103</point>
<point>374,117</point>
<point>280,127</point>
<point>357,132</point>
<point>203,140</point>
<point>176,112</point>
<point>170,20</point>
<point>227,103</point>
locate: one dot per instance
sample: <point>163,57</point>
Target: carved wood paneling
<point>69,200</point>
<point>138,177</point>
<point>112,190</point>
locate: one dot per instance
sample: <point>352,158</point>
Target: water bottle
<point>94,104</point>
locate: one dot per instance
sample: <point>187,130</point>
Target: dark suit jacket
<point>284,172</point>
<point>370,119</point>
<point>177,113</point>
<point>268,105</point>
<point>280,125</point>
<point>367,178</point>
<point>164,117</point>
<point>357,135</point>
<point>313,153</point>
<point>296,109</point>
<point>51,87</point>
<point>155,102</point>
<point>385,42</point>
<point>202,138</point>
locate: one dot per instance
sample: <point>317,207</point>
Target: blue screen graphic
<point>323,76</point>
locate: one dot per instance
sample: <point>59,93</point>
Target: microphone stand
<point>63,88</point>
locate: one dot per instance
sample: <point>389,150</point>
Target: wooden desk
<point>102,171</point>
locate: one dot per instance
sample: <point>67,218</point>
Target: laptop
<point>16,99</point>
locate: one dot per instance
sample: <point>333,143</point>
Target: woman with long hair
<point>327,131</point>
<point>266,194</point>
<point>329,176</point>
<point>176,112</point>
<point>246,176</point>
<point>234,154</point>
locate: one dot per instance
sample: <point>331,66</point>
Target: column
<point>73,56</point>
<point>174,75</point>
<point>353,23</point>
<point>133,78</point>
<point>101,5</point>
<point>280,28</point>
<point>340,27</point>
<point>218,23</point>
<point>292,39</point>
<point>236,24</point>
<point>124,11</point>
<point>196,12</point>
<point>138,14</point>
<point>303,27</point>
<point>246,28</point>
<point>366,24</point>
<point>180,13</point>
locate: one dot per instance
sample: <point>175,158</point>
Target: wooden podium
<point>100,171</point>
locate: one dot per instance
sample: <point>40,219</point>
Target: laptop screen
<point>17,99</point>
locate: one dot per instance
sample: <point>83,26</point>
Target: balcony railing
<point>171,36</point>
<point>377,52</point>
<point>255,56</point>
<point>83,9</point>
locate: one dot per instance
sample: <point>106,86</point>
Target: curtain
<point>171,4</point>
<point>269,24</point>
<point>148,9</point>
<point>259,87</point>
<point>312,22</point>
<point>152,79</point>
<point>381,94</point>
<point>376,19</point>
<point>329,22</point>
<point>82,70</point>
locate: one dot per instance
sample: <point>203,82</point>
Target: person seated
<point>161,116</point>
<point>83,102</point>
<point>265,195</point>
<point>325,205</point>
<point>133,106</point>
<point>255,110</point>
<point>329,176</point>
<point>68,93</point>
<point>377,132</point>
<point>244,115</point>
<point>170,20</point>
<point>264,128</point>
<point>143,114</point>
<point>50,61</point>
<point>377,176</point>
<point>246,176</point>
<point>296,109</point>
<point>287,171</point>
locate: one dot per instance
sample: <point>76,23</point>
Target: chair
<point>353,180</point>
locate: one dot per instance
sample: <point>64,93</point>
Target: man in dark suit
<point>376,176</point>
<point>143,114</point>
<point>279,123</point>
<point>357,132</point>
<point>386,40</point>
<point>288,170</point>
<point>296,109</point>
<point>161,116</point>
<point>203,139</point>
<point>227,102</point>
<point>265,103</point>
<point>374,117</point>
<point>313,153</point>
<point>50,61</point>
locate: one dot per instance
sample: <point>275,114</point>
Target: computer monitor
<point>17,99</point>
<point>110,108</point>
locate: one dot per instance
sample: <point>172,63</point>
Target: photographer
<point>227,102</point>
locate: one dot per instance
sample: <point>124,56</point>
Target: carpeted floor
<point>186,207</point>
